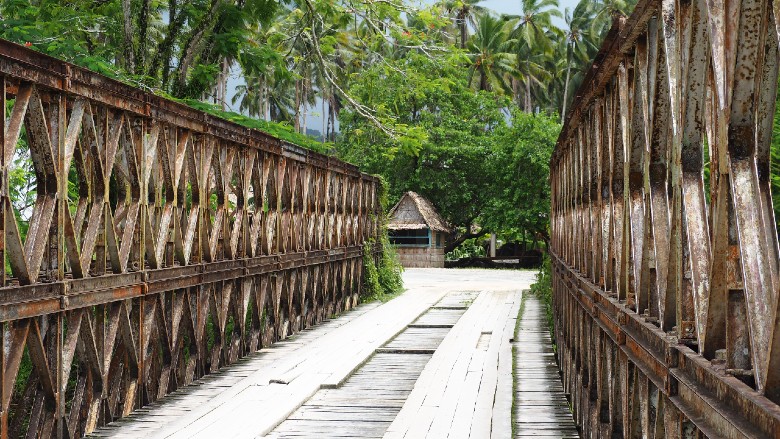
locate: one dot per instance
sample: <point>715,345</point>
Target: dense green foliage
<point>383,273</point>
<point>288,53</point>
<point>542,290</point>
<point>469,248</point>
<point>478,119</point>
<point>371,286</point>
<point>430,98</point>
<point>480,159</point>
<point>520,165</point>
<point>390,269</point>
<point>382,279</point>
<point>455,126</point>
<point>179,47</point>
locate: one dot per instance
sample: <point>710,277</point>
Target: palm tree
<point>579,41</point>
<point>550,97</point>
<point>533,35</point>
<point>267,95</point>
<point>604,10</point>
<point>535,71</point>
<point>466,12</point>
<point>251,96</point>
<point>269,87</point>
<point>490,55</point>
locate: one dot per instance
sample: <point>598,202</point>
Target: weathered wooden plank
<point>541,407</point>
<point>366,398</point>
<point>455,394</point>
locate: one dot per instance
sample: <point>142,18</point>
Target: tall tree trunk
<point>523,245</point>
<point>127,27</point>
<point>297,121</point>
<point>266,101</point>
<point>483,84</point>
<point>327,124</point>
<point>305,105</point>
<point>143,28</point>
<point>260,99</point>
<point>162,57</point>
<point>528,106</point>
<point>330,128</point>
<point>333,114</point>
<point>307,90</point>
<point>565,92</point>
<point>334,107</point>
<point>324,119</point>
<point>464,31</point>
<point>516,89</point>
<point>194,46</point>
<point>221,92</point>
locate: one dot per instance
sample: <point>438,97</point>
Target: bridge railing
<point>664,238</point>
<point>153,244</point>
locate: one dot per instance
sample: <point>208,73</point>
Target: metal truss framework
<point>185,243</point>
<point>665,250</point>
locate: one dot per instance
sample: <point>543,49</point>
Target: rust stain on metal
<point>684,269</point>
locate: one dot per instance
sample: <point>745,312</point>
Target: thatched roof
<point>414,211</point>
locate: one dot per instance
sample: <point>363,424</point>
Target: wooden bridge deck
<point>435,362</point>
<point>541,408</point>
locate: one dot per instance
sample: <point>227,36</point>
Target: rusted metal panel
<point>681,279</point>
<point>184,243</point>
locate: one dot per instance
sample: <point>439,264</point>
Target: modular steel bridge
<point>161,244</point>
<point>664,236</point>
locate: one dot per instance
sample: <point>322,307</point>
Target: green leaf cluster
<point>178,47</point>
<point>476,156</point>
<point>520,164</point>
<point>542,290</point>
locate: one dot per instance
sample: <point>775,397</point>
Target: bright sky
<point>514,7</point>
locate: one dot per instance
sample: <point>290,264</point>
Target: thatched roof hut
<point>413,211</point>
<point>418,231</point>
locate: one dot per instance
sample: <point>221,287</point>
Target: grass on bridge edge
<point>542,290</point>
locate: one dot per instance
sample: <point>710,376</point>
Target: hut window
<point>415,237</point>
<point>438,239</point>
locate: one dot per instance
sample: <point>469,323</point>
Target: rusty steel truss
<point>664,243</point>
<point>162,244</point>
